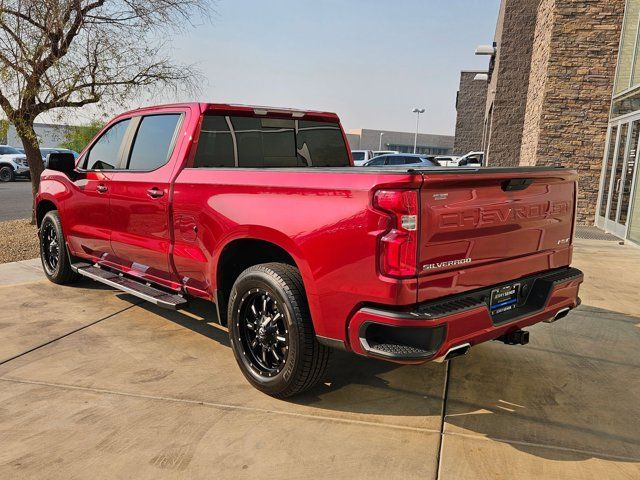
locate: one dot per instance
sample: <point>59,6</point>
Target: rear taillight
<point>399,244</point>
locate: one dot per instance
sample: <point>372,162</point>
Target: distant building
<point>49,135</point>
<point>365,139</point>
<point>471,102</point>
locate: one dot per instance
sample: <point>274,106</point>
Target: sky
<point>369,61</point>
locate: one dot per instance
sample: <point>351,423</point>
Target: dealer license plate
<point>504,298</point>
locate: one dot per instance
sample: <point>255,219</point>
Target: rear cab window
<point>264,142</point>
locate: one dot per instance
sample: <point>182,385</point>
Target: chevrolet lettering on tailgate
<point>482,216</point>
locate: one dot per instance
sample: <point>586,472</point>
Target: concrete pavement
<point>95,383</point>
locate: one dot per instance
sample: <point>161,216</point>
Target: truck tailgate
<point>487,226</point>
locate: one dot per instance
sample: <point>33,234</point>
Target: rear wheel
<point>6,174</point>
<point>271,331</point>
<point>53,252</point>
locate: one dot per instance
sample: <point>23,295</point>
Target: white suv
<point>13,164</point>
<point>360,157</point>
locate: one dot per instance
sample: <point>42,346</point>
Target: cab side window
<point>105,153</point>
<point>153,143</point>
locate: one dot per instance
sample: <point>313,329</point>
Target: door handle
<point>155,192</point>
<point>101,188</point>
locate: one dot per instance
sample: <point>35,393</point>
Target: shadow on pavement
<point>575,387</point>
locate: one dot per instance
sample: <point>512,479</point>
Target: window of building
<point>153,142</point>
<point>628,71</point>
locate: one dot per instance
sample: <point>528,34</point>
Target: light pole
<point>380,144</point>
<point>417,111</point>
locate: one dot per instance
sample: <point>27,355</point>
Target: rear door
<point>88,216</point>
<point>481,228</point>
<point>140,197</point>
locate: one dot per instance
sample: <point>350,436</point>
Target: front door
<point>141,237</point>
<point>617,177</point>
<point>88,217</point>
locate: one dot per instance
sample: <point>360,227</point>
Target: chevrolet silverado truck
<point>261,211</point>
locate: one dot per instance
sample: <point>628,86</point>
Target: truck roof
<point>230,108</point>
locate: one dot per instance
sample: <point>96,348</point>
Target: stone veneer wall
<point>537,81</point>
<point>509,80</point>
<point>570,85</point>
<point>472,100</point>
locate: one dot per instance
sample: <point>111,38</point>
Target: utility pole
<point>417,111</point>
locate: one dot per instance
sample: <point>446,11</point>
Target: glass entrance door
<point>618,173</point>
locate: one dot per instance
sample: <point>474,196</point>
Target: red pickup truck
<point>261,211</point>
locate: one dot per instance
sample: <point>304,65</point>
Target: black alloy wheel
<point>50,246</point>
<point>263,332</point>
<point>56,262</point>
<point>271,331</point>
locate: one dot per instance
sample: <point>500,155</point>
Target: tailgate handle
<point>516,184</point>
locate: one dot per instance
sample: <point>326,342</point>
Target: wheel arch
<point>240,253</point>
<point>42,208</point>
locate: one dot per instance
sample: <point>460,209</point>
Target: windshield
<point>6,150</point>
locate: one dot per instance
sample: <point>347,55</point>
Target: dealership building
<point>563,88</point>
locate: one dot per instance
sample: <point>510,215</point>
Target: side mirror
<point>463,163</point>
<point>62,162</point>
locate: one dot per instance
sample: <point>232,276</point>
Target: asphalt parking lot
<point>16,200</point>
<point>94,383</point>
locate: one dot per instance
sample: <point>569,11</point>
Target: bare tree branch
<point>70,53</point>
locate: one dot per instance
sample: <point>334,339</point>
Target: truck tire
<point>7,174</point>
<point>271,332</point>
<point>53,251</point>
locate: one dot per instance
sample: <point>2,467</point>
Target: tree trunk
<point>31,147</point>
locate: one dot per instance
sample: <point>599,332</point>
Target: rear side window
<point>153,142</point>
<point>357,156</point>
<point>105,152</point>
<point>254,142</point>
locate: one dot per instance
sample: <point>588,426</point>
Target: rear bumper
<point>434,328</point>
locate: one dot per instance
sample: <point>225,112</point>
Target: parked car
<point>377,153</point>
<point>472,159</point>
<point>257,211</point>
<point>13,164</point>
<point>447,160</point>
<point>402,159</point>
<point>360,157</point>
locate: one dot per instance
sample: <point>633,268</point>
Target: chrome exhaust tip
<point>563,312</point>
<point>454,352</point>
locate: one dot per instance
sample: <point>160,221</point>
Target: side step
<point>128,285</point>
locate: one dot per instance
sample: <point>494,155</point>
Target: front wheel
<point>7,174</point>
<point>271,331</point>
<point>53,252</point>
